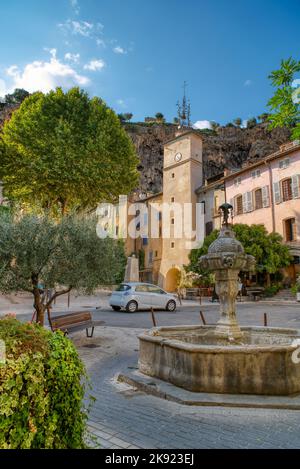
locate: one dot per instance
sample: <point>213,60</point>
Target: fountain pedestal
<point>226,258</point>
<point>227,290</point>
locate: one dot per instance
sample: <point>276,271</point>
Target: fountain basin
<point>196,359</point>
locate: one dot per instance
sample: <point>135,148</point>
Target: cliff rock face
<point>228,147</point>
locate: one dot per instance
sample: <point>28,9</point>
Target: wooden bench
<point>73,322</point>
<point>255,294</point>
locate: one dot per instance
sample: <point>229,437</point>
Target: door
<point>158,297</point>
<point>143,296</point>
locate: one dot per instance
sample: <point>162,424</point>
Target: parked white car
<point>135,296</point>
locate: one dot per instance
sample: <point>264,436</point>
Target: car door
<point>142,296</point>
<point>158,297</point>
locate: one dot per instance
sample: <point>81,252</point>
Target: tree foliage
<point>267,248</point>
<point>62,151</point>
<point>285,106</point>
<point>251,123</point>
<point>37,254</point>
<point>17,97</point>
<point>238,122</point>
<point>42,387</point>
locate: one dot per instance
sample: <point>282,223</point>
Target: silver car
<point>135,296</point>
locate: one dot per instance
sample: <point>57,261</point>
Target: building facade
<point>177,219</point>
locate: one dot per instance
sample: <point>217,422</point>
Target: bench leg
<point>92,332</point>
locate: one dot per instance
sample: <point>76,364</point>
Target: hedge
<point>42,387</point>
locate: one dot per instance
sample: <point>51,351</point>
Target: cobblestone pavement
<point>124,418</point>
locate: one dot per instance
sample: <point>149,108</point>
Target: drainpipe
<point>271,195</point>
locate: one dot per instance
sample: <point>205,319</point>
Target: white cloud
<point>75,6</point>
<point>3,89</point>
<point>202,125</point>
<point>248,83</point>
<point>72,57</point>
<point>119,50</point>
<point>44,75</point>
<point>100,42</point>
<point>81,28</point>
<point>122,103</point>
<point>94,65</point>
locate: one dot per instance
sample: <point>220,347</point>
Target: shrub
<point>272,290</point>
<point>42,386</point>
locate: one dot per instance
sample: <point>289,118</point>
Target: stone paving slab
<point>158,388</point>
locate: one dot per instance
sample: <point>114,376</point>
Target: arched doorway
<point>172,278</point>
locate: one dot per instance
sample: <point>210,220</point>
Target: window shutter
<point>277,195</point>
<point>245,205</point>
<point>249,202</point>
<point>295,186</point>
<point>265,196</point>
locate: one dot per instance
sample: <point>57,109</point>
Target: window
<point>145,241</point>
<point>237,181</point>
<point>160,232</point>
<point>258,199</point>
<point>141,289</point>
<point>150,257</point>
<point>284,163</point>
<point>173,175</point>
<point>172,221</point>
<point>138,226</point>
<point>117,231</point>
<point>153,289</point>
<point>209,228</point>
<point>287,193</point>
<point>290,229</point>
<point>203,207</point>
<point>255,174</point>
<point>172,200</point>
<point>156,254</point>
<point>172,245</point>
<point>239,204</point>
<point>123,287</point>
<point>216,203</point>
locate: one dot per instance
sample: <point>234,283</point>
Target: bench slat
<point>74,321</point>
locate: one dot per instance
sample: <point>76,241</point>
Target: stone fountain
<point>224,358</point>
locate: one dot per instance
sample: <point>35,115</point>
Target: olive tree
<point>37,254</point>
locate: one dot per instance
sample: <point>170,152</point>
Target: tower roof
<point>184,133</point>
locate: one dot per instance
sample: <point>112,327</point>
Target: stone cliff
<point>228,147</point>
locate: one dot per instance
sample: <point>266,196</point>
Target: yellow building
<point>163,253</point>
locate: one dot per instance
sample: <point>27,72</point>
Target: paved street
<point>283,314</point>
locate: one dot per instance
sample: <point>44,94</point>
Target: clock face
<point>178,157</point>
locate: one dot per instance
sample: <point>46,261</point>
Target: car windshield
<point>123,287</point>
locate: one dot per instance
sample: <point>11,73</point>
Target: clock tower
<point>183,174</point>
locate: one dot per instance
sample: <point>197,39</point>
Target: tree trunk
<point>268,279</point>
<point>39,307</point>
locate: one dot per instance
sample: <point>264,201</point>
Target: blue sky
<point>136,54</point>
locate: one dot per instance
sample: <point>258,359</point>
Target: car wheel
<point>171,306</point>
<point>131,307</point>
<point>116,308</point>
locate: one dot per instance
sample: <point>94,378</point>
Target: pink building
<point>268,193</point>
